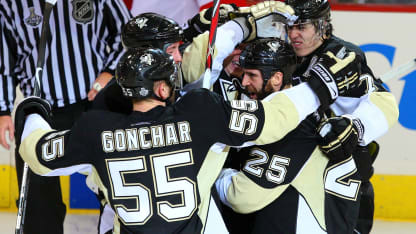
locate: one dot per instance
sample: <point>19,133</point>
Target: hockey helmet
<point>139,68</point>
<point>317,12</point>
<point>151,30</point>
<point>310,9</point>
<point>269,56</point>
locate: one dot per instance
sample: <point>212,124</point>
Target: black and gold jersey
<point>290,187</point>
<point>153,166</point>
<point>368,99</point>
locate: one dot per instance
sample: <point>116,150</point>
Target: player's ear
<point>276,81</point>
<point>163,90</point>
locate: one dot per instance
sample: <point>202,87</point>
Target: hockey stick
<point>211,43</point>
<point>399,71</point>
<point>49,4</point>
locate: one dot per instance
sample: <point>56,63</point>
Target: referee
<point>82,51</point>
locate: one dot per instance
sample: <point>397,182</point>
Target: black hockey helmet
<point>139,68</point>
<point>317,12</point>
<point>310,9</point>
<point>269,56</point>
<point>151,30</point>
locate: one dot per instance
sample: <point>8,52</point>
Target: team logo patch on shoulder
<point>82,10</point>
<point>33,19</point>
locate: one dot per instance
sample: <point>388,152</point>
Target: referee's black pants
<point>45,210</point>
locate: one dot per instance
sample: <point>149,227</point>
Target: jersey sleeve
<point>380,104</point>
<point>51,153</point>
<point>194,57</point>
<point>378,112</point>
<point>116,15</point>
<point>246,194</point>
<point>9,53</point>
<point>243,123</point>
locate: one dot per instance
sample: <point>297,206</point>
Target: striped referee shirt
<point>84,41</point>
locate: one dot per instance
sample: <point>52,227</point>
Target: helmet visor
<point>272,26</point>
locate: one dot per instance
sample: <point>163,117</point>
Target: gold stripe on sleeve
<point>245,196</point>
<point>281,117</point>
<point>386,102</point>
<point>194,58</point>
<point>27,150</point>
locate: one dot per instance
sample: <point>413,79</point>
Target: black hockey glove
<point>30,105</point>
<point>201,22</point>
<point>340,136</point>
<point>334,74</point>
<point>364,157</point>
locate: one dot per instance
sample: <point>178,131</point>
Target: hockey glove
<point>30,105</point>
<point>201,22</point>
<point>264,20</point>
<point>340,136</point>
<point>364,157</point>
<point>333,75</point>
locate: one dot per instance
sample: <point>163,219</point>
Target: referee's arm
<point>116,15</point>
<point>8,48</point>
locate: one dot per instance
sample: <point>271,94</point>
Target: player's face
<point>173,49</point>
<point>231,64</point>
<point>253,82</point>
<point>304,38</point>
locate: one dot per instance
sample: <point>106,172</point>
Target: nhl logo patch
<point>143,92</point>
<point>82,10</point>
<point>33,19</point>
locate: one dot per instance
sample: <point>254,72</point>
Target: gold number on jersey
<point>336,182</point>
<point>124,192</point>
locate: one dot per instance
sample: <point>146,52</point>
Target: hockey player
<point>311,36</point>
<point>152,164</point>
<point>157,31</point>
<point>290,186</point>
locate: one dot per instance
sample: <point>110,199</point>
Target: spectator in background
<point>82,51</point>
<point>178,10</point>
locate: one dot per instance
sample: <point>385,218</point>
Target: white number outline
<point>277,164</point>
<point>119,208</point>
<point>165,205</point>
<point>56,146</point>
<point>335,176</point>
<point>260,157</point>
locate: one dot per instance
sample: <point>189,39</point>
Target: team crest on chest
<point>82,10</point>
<point>33,19</point>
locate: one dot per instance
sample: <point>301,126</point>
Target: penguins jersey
<point>153,167</point>
<point>290,187</point>
<point>367,100</point>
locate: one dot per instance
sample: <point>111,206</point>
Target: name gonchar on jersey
<point>137,138</point>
